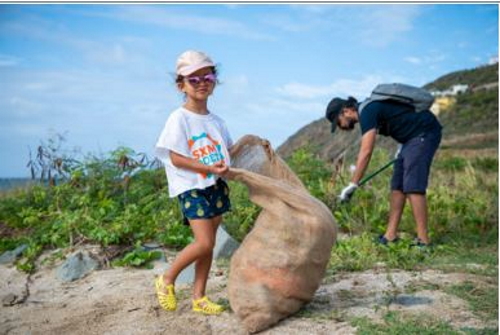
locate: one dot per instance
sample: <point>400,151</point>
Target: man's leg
<point>398,200</point>
<point>416,179</point>
<point>418,203</point>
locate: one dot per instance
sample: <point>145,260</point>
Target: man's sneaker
<point>384,241</point>
<point>417,243</point>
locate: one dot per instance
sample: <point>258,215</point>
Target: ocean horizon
<point>15,182</point>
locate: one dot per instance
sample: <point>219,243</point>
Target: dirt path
<point>122,301</point>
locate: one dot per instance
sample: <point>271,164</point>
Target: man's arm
<point>364,155</point>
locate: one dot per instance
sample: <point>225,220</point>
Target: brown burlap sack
<point>281,262</point>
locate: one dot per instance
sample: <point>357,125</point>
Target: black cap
<point>333,110</point>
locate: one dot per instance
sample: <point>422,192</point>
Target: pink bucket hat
<point>191,61</point>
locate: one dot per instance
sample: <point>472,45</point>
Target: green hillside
<point>473,77</point>
<point>471,122</point>
<point>474,111</point>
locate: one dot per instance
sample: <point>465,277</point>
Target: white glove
<point>398,151</point>
<point>347,192</point>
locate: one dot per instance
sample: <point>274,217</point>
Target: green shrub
<point>239,221</point>
<point>119,199</point>
<point>138,258</point>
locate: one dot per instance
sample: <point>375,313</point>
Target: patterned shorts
<point>205,203</point>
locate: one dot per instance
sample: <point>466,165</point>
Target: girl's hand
<point>219,168</point>
<point>191,164</point>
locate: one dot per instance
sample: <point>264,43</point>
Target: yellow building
<point>442,104</point>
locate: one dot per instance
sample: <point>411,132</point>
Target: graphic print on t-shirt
<point>207,154</point>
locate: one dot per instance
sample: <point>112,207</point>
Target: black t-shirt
<point>397,120</point>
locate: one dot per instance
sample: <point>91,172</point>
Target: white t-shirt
<point>202,137</point>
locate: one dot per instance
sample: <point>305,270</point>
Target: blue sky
<point>102,74</point>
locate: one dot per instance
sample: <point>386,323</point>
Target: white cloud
<point>23,130</point>
<point>383,25</point>
<point>98,109</point>
<point>170,18</point>
<point>122,50</point>
<point>477,59</point>
<point>24,107</point>
<point>342,87</point>
<point>240,80</point>
<point>286,23</point>
<point>274,119</point>
<point>232,6</point>
<point>284,107</point>
<point>432,58</point>
<point>315,9</point>
<point>370,25</point>
<point>302,18</point>
<point>8,60</point>
<point>304,91</point>
<point>413,60</point>
<point>297,104</point>
<point>113,54</point>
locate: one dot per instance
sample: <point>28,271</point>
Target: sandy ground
<point>123,301</point>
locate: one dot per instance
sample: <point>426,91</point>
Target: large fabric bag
<point>281,262</point>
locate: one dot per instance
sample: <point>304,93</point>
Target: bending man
<point>420,135</point>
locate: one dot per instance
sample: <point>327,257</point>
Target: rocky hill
<point>471,114</point>
<point>474,78</point>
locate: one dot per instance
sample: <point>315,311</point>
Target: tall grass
<point>107,202</point>
<point>462,198</point>
<point>463,217</point>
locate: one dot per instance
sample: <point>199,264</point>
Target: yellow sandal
<point>205,306</point>
<point>167,300</point>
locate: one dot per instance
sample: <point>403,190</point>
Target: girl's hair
<point>180,78</point>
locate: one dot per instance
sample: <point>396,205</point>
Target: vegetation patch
<point>398,323</point>
<point>122,200</point>
<point>138,258</point>
<point>483,299</point>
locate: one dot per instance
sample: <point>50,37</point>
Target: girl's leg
<point>204,263</point>
<point>204,241</point>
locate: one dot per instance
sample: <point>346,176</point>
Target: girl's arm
<point>191,164</point>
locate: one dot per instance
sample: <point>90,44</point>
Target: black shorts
<point>412,167</point>
<point>205,203</point>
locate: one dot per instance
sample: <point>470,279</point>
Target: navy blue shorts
<point>413,165</point>
<point>205,203</point>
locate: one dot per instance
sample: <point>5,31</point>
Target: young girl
<point>194,146</point>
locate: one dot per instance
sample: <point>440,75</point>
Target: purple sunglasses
<point>196,80</point>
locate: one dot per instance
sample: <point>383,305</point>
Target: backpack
<point>417,97</point>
